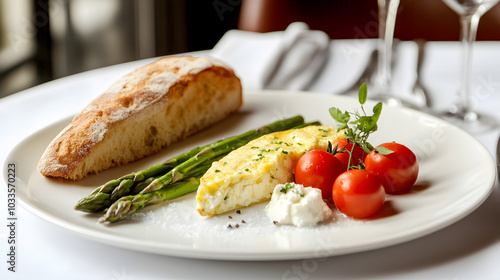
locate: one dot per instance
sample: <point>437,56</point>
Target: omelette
<point>249,174</point>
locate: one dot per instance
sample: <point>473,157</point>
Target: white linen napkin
<point>290,59</point>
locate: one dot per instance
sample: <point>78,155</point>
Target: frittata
<point>249,174</point>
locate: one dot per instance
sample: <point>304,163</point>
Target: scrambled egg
<point>249,174</point>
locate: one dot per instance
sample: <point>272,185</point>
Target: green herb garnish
<point>358,126</point>
<point>287,187</point>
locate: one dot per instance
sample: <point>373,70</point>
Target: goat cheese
<point>292,204</point>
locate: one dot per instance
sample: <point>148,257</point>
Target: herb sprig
<point>358,126</point>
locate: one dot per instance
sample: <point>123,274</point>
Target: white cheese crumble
<point>292,204</point>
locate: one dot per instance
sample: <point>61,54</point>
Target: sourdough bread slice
<point>143,112</point>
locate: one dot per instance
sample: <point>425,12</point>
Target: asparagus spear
<point>103,196</point>
<point>106,194</point>
<point>219,148</point>
<point>128,205</point>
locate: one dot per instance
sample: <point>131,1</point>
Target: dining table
<point>467,248</point>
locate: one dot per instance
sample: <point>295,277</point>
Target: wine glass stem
<point>469,29</point>
<point>387,21</point>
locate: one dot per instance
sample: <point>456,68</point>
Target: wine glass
<point>387,11</point>
<point>461,113</point>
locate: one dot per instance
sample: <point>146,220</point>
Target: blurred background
<point>42,40</point>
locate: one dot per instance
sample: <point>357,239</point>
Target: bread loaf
<point>143,112</point>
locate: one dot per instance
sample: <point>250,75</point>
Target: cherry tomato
<point>358,193</point>
<point>398,170</point>
<point>358,154</point>
<point>318,169</point>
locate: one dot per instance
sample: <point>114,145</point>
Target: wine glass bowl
<point>461,113</point>
<point>470,7</point>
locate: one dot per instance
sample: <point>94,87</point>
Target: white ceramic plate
<point>447,190</point>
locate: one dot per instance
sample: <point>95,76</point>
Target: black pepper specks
<point>235,226</point>
<point>230,226</point>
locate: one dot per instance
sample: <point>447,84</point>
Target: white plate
<point>449,188</point>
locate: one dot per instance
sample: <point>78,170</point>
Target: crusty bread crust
<point>143,112</point>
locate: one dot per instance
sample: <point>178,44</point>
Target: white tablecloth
<point>468,249</point>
